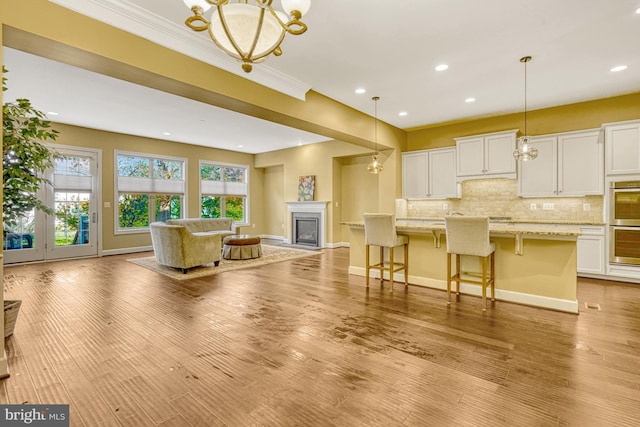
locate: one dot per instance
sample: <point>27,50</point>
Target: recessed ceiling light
<point>402,113</point>
<point>638,11</point>
<point>360,91</point>
<point>618,68</point>
<point>442,67</point>
<point>470,99</point>
<point>166,133</point>
<point>52,113</point>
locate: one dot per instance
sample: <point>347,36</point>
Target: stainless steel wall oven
<point>624,223</point>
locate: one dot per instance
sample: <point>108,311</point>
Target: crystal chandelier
<point>375,166</point>
<point>248,30</point>
<point>524,151</point>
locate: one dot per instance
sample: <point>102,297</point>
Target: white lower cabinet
<point>429,174</point>
<point>591,250</point>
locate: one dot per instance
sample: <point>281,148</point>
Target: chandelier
<point>524,151</point>
<point>375,166</point>
<point>248,30</point>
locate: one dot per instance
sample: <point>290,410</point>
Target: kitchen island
<point>535,262</point>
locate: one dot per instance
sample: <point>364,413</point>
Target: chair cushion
<point>468,235</point>
<point>241,240</point>
<point>380,230</point>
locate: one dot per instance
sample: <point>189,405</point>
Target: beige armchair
<point>177,247</point>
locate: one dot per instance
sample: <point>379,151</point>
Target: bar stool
<point>380,230</point>
<point>469,235</point>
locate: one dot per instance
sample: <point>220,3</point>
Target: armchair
<point>175,246</point>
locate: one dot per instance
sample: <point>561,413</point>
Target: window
<point>148,188</point>
<point>223,191</point>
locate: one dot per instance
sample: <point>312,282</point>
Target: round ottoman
<point>241,247</point>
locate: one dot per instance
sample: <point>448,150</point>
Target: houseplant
<point>25,158</point>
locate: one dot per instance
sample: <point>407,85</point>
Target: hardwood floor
<point>303,343</point>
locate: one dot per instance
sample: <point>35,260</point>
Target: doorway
<point>72,231</point>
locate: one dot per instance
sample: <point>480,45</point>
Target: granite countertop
<point>496,228</point>
<point>497,220</point>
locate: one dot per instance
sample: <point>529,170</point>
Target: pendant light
<point>524,151</point>
<point>375,167</point>
<point>247,30</point>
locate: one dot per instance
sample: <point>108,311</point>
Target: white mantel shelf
<point>305,206</point>
<point>319,207</point>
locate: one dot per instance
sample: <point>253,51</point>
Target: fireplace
<point>308,223</point>
<point>306,229</point>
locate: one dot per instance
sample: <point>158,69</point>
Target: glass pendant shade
<point>524,150</point>
<point>301,6</point>
<point>375,166</point>
<point>243,26</point>
<point>202,3</point>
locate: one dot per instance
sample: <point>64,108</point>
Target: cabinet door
<point>498,155</point>
<point>580,164</point>
<point>414,175</point>
<point>622,143</point>
<point>538,177</point>
<point>591,250</point>
<point>470,159</point>
<point>442,174</point>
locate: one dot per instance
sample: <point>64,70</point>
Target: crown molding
<point>146,24</point>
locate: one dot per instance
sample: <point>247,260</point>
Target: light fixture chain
<point>375,125</point>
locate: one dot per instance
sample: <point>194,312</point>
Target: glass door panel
<point>25,241</point>
<point>72,229</point>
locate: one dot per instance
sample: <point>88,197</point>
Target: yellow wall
<point>565,118</point>
<point>274,209</point>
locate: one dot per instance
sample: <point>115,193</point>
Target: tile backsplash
<point>498,198</point>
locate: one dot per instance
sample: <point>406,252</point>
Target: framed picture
<point>306,188</point>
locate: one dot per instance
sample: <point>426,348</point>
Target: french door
<point>72,231</point>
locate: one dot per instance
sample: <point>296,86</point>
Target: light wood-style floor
<point>302,343</point>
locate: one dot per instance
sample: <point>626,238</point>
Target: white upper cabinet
<point>622,142</point>
<point>539,177</point>
<point>415,175</point>
<point>568,164</point>
<point>442,174</point>
<point>486,156</point>
<point>580,164</point>
<point>429,174</point>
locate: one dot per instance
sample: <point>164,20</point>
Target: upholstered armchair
<point>177,247</point>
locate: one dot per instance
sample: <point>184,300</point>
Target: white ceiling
<point>389,48</point>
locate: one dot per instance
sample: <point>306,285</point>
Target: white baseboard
<point>288,241</point>
<point>337,245</point>
<point>569,306</point>
<point>123,251</point>
<point>272,237</point>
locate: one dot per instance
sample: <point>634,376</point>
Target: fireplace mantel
<point>311,207</point>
